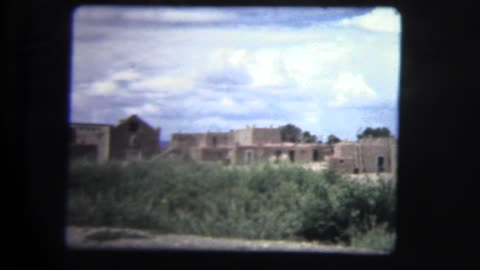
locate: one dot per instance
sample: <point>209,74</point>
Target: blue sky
<point>326,70</point>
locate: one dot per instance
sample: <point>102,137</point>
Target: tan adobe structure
<point>243,146</point>
<point>367,155</point>
<point>250,145</point>
<point>132,138</point>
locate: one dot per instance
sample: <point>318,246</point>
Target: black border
<point>437,164</point>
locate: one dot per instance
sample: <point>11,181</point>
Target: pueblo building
<point>134,139</point>
<point>245,146</point>
<point>131,139</point>
<point>251,145</point>
<point>366,155</point>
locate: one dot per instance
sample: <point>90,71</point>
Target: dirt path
<point>108,238</point>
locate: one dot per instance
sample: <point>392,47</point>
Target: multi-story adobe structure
<point>243,146</point>
<point>250,145</point>
<point>132,138</point>
<point>367,155</point>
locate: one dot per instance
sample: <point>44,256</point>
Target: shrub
<point>378,238</point>
<point>256,202</point>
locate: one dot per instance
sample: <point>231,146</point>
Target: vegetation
<point>375,133</point>
<point>292,133</point>
<point>308,138</point>
<point>256,202</point>
<point>332,139</point>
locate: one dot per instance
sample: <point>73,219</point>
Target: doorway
<point>315,155</point>
<point>291,155</point>
<point>380,164</point>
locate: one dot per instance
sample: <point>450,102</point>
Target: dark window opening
<point>214,141</point>
<point>291,155</point>
<point>133,126</point>
<point>380,164</point>
<point>341,161</point>
<point>356,171</point>
<point>315,155</point>
<point>249,156</point>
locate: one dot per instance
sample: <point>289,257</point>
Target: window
<point>291,155</point>
<point>249,156</point>
<point>214,141</point>
<point>380,164</point>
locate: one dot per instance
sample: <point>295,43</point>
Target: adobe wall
<point>277,153</point>
<point>217,139</point>
<point>92,134</point>
<point>243,136</point>
<point>341,165</point>
<point>180,140</point>
<point>344,149</point>
<point>214,154</point>
<point>365,155</point>
<point>143,142</point>
<point>266,135</point>
<point>371,149</point>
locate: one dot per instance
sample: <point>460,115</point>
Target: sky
<point>325,70</point>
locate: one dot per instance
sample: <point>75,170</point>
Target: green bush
<point>254,202</point>
<point>378,238</point>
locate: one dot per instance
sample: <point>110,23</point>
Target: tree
<point>375,132</point>
<point>333,139</point>
<point>290,133</point>
<point>308,138</point>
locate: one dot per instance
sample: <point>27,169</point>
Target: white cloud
<point>379,19</point>
<point>126,75</point>
<point>275,74</point>
<point>113,84</point>
<point>199,16</point>
<point>351,89</point>
<point>265,67</point>
<point>103,88</point>
<point>144,109</point>
<point>173,81</point>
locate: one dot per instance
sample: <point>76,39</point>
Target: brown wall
<point>242,136</point>
<point>371,149</point>
<point>302,152</point>
<point>365,155</point>
<point>186,140</point>
<point>342,165</point>
<point>266,135</point>
<point>217,139</point>
<point>92,134</point>
<point>214,154</point>
<point>145,144</point>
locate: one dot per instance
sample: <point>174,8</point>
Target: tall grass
<point>258,202</point>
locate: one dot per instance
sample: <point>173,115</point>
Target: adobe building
<point>251,145</point>
<point>244,146</point>
<point>131,139</point>
<point>367,155</point>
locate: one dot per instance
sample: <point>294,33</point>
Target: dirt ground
<point>117,238</point>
